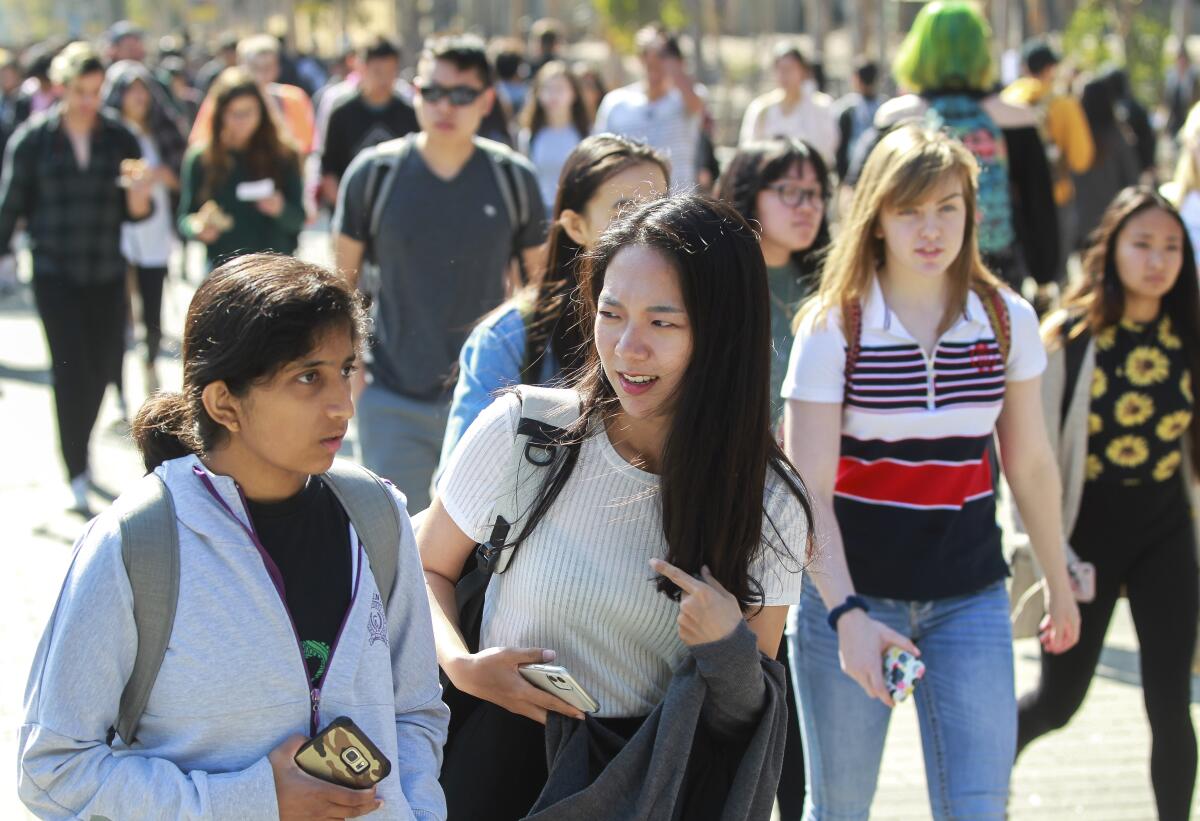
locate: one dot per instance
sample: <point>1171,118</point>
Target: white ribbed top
<point>581,585</point>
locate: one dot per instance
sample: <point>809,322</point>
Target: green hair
<point>948,47</point>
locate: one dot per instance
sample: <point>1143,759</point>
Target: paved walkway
<point>1096,769</point>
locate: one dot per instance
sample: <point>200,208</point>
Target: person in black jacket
<point>69,174</point>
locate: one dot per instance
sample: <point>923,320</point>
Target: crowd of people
<point>712,452</point>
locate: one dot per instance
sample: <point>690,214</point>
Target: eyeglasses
<point>792,195</point>
<point>457,95</point>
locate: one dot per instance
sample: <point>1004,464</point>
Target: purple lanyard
<point>272,568</point>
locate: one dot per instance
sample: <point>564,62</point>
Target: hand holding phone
<point>556,681</point>
<point>300,795</point>
<point>343,754</point>
<point>901,672</point>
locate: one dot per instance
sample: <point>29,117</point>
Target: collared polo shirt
<point>914,493</point>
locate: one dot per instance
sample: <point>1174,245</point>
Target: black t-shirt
<point>355,125</point>
<point>308,538</point>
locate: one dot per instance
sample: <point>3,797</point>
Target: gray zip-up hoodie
<point>233,684</point>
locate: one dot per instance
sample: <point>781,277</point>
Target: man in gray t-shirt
<point>446,235</point>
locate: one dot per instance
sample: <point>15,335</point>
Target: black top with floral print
<point>1141,404</point>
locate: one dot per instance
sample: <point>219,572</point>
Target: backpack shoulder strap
<point>852,329</point>
<point>1074,349</point>
<point>998,317</point>
<point>509,180</point>
<point>546,415</point>
<point>381,178</point>
<point>372,510</point>
<point>150,552</point>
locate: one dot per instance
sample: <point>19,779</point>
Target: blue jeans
<point>400,439</point>
<point>965,703</point>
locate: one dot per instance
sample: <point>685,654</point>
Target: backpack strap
<point>998,317</point>
<point>546,415</point>
<point>150,552</point>
<point>513,192</point>
<point>1074,349</point>
<point>852,329</point>
<point>381,178</point>
<point>372,510</point>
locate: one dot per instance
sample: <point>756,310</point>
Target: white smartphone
<point>255,190</point>
<point>558,682</point>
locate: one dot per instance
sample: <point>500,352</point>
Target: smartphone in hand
<point>901,672</point>
<point>343,754</point>
<point>556,681</point>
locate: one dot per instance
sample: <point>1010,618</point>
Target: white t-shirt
<point>664,124</point>
<point>581,584</point>
<point>148,242</point>
<point>548,152</point>
<point>813,120</point>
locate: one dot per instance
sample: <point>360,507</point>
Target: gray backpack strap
<point>508,180</point>
<point>545,412</point>
<point>389,156</point>
<point>372,510</point>
<point>150,551</point>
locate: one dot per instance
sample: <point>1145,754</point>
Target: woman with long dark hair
<point>131,90</point>
<point>1118,399</point>
<point>553,122</point>
<point>1116,164</point>
<point>284,617</point>
<point>241,190</point>
<point>538,337</point>
<point>781,187</point>
<point>661,474</point>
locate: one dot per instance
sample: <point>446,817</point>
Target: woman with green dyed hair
<point>948,47</point>
<point>945,63</point>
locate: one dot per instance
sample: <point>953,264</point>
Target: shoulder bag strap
<point>997,314</point>
<point>852,328</point>
<point>389,157</point>
<point>1074,349</point>
<point>150,552</point>
<point>546,414</point>
<point>373,512</point>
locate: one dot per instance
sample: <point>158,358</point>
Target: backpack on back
<point>961,116</point>
<point>150,552</point>
<point>385,166</point>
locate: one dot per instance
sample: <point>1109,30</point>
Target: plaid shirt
<point>74,214</point>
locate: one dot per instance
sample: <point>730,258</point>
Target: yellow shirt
<point>1064,124</point>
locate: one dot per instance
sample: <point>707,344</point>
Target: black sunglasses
<point>457,95</point>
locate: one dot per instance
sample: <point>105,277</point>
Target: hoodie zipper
<point>314,693</point>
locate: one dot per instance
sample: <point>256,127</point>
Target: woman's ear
<point>222,406</point>
<point>575,226</point>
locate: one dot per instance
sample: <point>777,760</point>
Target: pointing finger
<point>687,583</point>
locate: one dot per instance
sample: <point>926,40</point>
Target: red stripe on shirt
<point>916,485</point>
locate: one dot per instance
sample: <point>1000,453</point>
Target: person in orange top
<point>1065,134</point>
<point>290,104</point>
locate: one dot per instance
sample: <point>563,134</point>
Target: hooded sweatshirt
<point>233,684</point>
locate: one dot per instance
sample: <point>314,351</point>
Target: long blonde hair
<point>1187,174</point>
<point>904,167</point>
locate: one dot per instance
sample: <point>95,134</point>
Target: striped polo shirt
<point>914,493</point>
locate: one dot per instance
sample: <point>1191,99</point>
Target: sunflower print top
<point>1141,404</point>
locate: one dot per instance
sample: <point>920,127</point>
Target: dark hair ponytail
<point>251,317</point>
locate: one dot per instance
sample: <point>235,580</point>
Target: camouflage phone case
<point>342,754</point>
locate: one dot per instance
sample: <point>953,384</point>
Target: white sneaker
<point>79,489</point>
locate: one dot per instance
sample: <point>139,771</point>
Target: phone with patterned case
<point>343,754</point>
<point>901,672</point>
